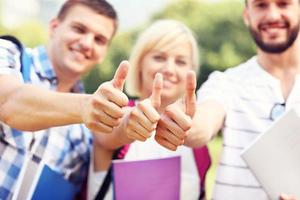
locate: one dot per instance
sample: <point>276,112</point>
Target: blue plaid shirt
<point>68,149</point>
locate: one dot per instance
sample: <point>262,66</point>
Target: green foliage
<point>31,32</point>
<point>220,31</point>
<point>215,147</point>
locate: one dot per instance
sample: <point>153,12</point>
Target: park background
<point>217,24</point>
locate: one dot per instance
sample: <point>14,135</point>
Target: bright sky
<point>134,12</point>
<point>131,12</point>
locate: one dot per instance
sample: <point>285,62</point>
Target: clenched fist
<point>104,108</point>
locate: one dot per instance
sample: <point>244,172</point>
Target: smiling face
<point>274,24</point>
<point>79,41</point>
<point>173,62</point>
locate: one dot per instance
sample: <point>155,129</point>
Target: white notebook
<point>274,157</point>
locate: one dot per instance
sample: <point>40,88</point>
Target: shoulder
<point>10,47</point>
<point>10,52</point>
<point>244,72</point>
<point>222,86</point>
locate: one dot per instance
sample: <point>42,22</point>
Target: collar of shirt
<point>45,71</point>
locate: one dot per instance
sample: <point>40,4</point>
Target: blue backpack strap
<point>203,162</point>
<point>26,62</point>
<point>25,59</point>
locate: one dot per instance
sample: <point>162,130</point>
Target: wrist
<point>83,106</point>
<point>124,136</point>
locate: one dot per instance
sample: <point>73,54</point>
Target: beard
<point>276,48</point>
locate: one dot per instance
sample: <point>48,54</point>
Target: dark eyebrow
<point>98,35</point>
<point>257,1</point>
<point>81,25</point>
<point>102,37</point>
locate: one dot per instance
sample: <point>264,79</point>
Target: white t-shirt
<point>150,149</point>
<point>248,94</point>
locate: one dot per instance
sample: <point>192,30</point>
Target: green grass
<point>215,147</point>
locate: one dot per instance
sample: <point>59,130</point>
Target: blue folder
<point>52,185</point>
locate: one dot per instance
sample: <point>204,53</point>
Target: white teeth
<point>272,29</point>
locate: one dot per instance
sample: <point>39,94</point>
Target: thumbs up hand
<point>189,99</point>
<point>176,120</point>
<point>143,118</point>
<point>104,108</point>
<point>287,197</point>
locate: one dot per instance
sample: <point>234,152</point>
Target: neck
<point>284,66</point>
<point>286,62</point>
<point>65,86</point>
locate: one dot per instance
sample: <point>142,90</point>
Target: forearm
<point>30,108</point>
<point>101,158</point>
<point>105,144</point>
<point>207,121</point>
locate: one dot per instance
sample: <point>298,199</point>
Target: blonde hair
<point>159,35</point>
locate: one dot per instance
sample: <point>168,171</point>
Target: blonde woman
<point>164,63</point>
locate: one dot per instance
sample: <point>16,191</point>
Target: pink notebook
<point>147,179</point>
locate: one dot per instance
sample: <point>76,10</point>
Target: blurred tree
<point>222,36</point>
<point>31,33</point>
<point>218,27</point>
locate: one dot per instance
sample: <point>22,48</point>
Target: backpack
<point>201,156</point>
<point>25,59</point>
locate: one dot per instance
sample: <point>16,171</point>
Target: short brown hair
<point>101,7</point>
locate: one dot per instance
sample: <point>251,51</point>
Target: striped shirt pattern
<point>247,94</point>
<point>68,148</point>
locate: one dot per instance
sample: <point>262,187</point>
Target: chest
<point>251,107</point>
